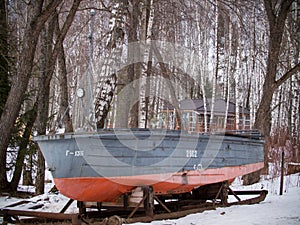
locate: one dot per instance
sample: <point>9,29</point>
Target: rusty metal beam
<point>75,218</point>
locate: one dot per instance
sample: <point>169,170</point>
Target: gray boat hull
<point>117,161</point>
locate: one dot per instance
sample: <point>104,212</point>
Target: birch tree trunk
<point>227,86</point>
<point>215,76</point>
<point>145,99</point>
<point>202,70</point>
<point>112,81</point>
<point>252,102</point>
<point>237,77</point>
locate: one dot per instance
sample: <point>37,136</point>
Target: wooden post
<point>125,201</point>
<point>81,207</point>
<point>149,200</point>
<point>282,173</point>
<point>224,193</point>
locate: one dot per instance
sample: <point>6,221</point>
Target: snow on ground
<point>274,210</point>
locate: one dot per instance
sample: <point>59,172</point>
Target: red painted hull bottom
<point>100,189</point>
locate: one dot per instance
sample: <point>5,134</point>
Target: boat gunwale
<point>106,133</point>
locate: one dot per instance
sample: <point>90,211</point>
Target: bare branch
<point>287,75</point>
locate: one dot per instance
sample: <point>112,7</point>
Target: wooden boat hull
<point>102,166</point>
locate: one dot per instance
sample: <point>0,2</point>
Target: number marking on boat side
<point>191,154</point>
<point>74,153</point>
<point>198,167</point>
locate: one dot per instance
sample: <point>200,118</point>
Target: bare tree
<point>277,13</point>
<point>4,59</point>
<point>48,60</point>
<point>111,80</point>
<point>65,97</point>
<point>36,19</point>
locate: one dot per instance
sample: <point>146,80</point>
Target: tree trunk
<point>64,98</point>
<point>145,15</point>
<point>238,77</point>
<point>276,26</point>
<point>147,91</point>
<point>212,125</point>
<point>105,89</point>
<point>202,73</point>
<point>47,65</point>
<point>134,70</point>
<point>23,148</point>
<point>104,99</point>
<point>43,96</point>
<point>4,81</point>
<point>165,71</point>
<point>276,19</point>
<point>4,84</point>
<point>19,85</point>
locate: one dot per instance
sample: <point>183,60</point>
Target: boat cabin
<point>193,112</point>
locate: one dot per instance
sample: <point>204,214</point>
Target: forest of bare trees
<point>246,52</point>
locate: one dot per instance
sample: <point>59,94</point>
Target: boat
<point>102,166</point>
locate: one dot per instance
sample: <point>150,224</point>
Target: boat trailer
<point>150,207</point>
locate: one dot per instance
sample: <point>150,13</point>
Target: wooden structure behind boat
<point>193,113</point>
